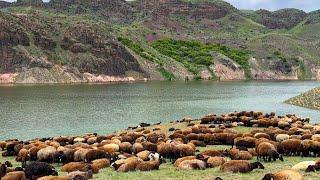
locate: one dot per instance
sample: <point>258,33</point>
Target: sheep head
<point>256,165</point>
<point>268,176</point>
<point>8,164</point>
<point>311,168</point>
<point>281,157</point>
<point>3,170</point>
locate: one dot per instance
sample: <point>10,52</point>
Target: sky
<point>306,5</point>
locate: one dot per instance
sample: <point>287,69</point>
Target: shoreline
<point>148,81</point>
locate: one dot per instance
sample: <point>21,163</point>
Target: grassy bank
<point>310,99</point>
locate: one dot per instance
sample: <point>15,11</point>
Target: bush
<point>193,54</point>
<point>147,55</point>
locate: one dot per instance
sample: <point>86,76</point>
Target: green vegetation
<point>147,55</point>
<point>194,54</point>
<point>302,74</point>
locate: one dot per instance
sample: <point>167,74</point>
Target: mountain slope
<point>105,40</point>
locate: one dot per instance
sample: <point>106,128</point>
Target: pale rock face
<point>316,73</point>
<point>58,74</point>
<point>272,75</point>
<point>226,69</point>
<point>225,73</point>
<point>8,78</point>
<point>104,78</point>
<point>205,75</point>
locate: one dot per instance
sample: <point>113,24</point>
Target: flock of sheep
<point>145,149</point>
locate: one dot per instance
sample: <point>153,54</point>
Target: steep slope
<point>309,29</point>
<point>34,43</point>
<point>281,19</point>
<point>118,11</point>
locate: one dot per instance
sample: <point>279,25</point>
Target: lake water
<point>28,111</point>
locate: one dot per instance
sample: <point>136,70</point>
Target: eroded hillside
<point>99,41</point>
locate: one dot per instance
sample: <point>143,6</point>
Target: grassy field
<point>167,171</point>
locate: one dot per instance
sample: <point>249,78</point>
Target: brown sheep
<point>149,146</point>
<point>80,154</point>
<point>54,144</point>
<point>125,147</point>
<point>212,153</point>
<point>153,164</point>
<point>129,164</point>
<point>3,145</point>
<point>192,164</point>
<point>215,161</point>
<point>54,178</point>
<point>80,175</point>
<point>111,148</point>
<point>267,151</point>
<point>198,143</point>
<point>33,153</point>
<point>262,140</point>
<point>178,161</point>
<point>46,154</point>
<point>291,147</point>
<point>23,155</point>
<point>168,150</point>
<point>186,149</point>
<point>192,136</point>
<point>262,135</point>
<point>144,155</point>
<point>16,175</point>
<point>93,154</point>
<point>226,138</point>
<point>236,154</point>
<point>137,147</point>
<point>242,166</point>
<point>92,140</point>
<point>101,163</point>
<point>78,166</point>
<point>284,174</point>
<point>247,142</point>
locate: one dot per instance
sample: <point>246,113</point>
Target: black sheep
<point>39,169</point>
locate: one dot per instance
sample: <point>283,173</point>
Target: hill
<point>98,41</point>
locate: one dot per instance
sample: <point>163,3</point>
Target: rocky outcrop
<point>281,19</point>
<point>118,11</point>
<point>199,10</point>
<point>32,53</point>
<point>225,69</point>
<point>4,4</point>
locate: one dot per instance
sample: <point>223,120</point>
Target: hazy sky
<point>307,5</point>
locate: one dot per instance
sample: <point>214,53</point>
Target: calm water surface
<point>48,110</point>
